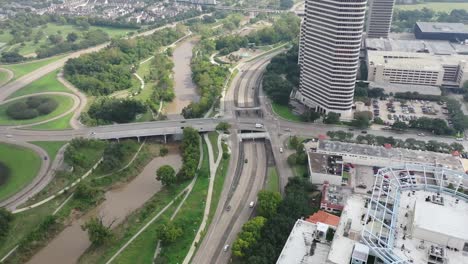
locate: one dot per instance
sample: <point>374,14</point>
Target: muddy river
<point>68,246</point>
<point>184,88</point>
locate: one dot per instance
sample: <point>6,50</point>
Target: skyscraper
<point>329,54</point>
<point>379,18</point>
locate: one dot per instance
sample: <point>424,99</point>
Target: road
<point>226,224</point>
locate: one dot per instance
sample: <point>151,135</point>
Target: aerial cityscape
<point>228,131</point>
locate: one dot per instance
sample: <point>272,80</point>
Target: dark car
<point>364,132</point>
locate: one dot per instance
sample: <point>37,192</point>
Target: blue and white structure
<point>417,214</point>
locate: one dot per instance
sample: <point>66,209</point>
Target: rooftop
<point>394,154</point>
<point>449,219</point>
<point>348,231</point>
<point>444,219</point>
<point>438,27</point>
<point>416,45</point>
<point>324,217</point>
<point>412,60</point>
<point>300,248</point>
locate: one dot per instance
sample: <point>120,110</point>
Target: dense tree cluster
<point>190,154</point>
<point>168,232</point>
<point>251,232</point>
<point>98,233</point>
<point>115,154</point>
<point>75,156</point>
<point>110,69</point>
<point>5,219</point>
<point>434,125</point>
<point>404,20</point>
<point>286,28</point>
<point>167,175</point>
<point>458,118</point>
<point>331,118</point>
<point>362,90</point>
<point>209,78</point>
<point>32,107</point>
<point>160,74</point>
<point>267,203</point>
<point>266,247</point>
<point>281,76</point>
<point>88,39</point>
<point>417,96</point>
<point>11,57</point>
<point>108,110</point>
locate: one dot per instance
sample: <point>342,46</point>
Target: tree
<point>5,219</point>
<point>163,151</point>
<point>98,233</point>
<point>378,121</point>
<point>72,37</point>
<point>166,174</point>
<point>169,232</point>
<point>267,203</point>
<point>294,142</point>
<point>249,235</point>
<point>331,118</point>
<point>361,120</point>
<point>310,116</point>
<point>399,125</point>
<point>223,126</point>
<point>55,39</point>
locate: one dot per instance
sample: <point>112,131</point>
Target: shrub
<point>31,107</point>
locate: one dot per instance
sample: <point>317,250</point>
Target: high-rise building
<point>329,54</point>
<point>379,18</point>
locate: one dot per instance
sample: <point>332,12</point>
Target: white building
<point>330,42</point>
<point>417,68</point>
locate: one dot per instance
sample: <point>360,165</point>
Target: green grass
<point>272,183</point>
<point>48,83</point>
<point>64,104</point>
<point>285,112</point>
<point>3,77</point>
<point>23,164</point>
<point>213,136</point>
<point>189,217</point>
<point>58,124</point>
<point>22,69</point>
<point>51,147</point>
<point>24,223</point>
<point>52,28</point>
<point>436,6</point>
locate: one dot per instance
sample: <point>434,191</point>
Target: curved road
<point>10,76</point>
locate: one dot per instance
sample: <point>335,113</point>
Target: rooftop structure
<point>332,198</point>
<point>325,218</point>
<point>434,47</point>
<point>301,247</point>
<point>380,156</point>
<point>442,31</point>
<point>327,168</point>
<point>348,232</point>
<point>412,215</point>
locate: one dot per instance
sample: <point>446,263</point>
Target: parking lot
<point>390,111</point>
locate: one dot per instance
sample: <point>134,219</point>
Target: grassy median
<point>23,165</point>
<point>64,104</point>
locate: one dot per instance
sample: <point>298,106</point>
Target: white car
<point>258,125</point>
<point>281,150</point>
<point>226,247</point>
<point>252,204</point>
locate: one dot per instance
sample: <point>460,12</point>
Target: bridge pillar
<point>165,139</point>
<point>118,140</point>
<point>138,138</point>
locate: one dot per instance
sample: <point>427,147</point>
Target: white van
<point>258,125</point>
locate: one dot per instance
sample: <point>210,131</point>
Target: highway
<point>227,223</point>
